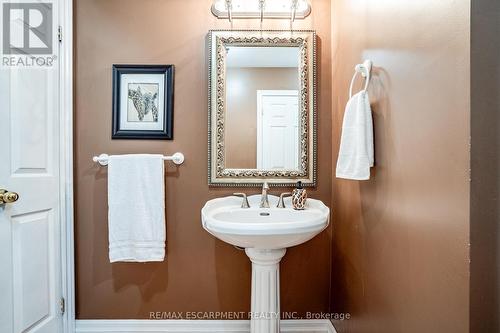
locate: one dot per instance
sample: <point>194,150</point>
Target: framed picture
<point>143,100</point>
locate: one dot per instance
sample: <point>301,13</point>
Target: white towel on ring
<point>356,154</point>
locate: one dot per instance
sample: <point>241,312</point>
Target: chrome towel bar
<point>177,158</point>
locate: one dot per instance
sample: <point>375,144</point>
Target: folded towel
<point>136,202</point>
<point>356,147</point>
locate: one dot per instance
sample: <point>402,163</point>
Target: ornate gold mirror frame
<point>219,40</point>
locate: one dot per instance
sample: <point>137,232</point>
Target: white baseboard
<point>195,326</point>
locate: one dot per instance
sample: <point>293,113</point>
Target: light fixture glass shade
<point>252,8</point>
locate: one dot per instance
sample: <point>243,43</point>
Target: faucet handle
<point>281,201</point>
<point>244,203</point>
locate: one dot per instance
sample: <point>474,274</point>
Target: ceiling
<point>262,57</point>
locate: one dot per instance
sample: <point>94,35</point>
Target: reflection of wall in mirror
<point>241,117</point>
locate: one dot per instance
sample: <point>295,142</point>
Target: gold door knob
<point>8,197</point>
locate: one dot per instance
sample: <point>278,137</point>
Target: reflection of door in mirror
<point>262,112</point>
<point>277,129</point>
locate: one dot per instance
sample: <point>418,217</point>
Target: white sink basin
<point>263,228</point>
<point>265,233</point>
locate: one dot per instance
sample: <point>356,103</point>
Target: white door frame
<point>66,163</point>
<point>260,95</point>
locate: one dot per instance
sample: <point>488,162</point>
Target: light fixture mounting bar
<point>258,9</point>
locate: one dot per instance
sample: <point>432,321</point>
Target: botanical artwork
<point>142,102</point>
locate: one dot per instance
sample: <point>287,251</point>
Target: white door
<point>30,237</point>
<point>277,129</point>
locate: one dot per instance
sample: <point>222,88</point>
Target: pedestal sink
<point>265,233</point>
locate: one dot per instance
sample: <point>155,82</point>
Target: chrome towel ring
<point>365,70</point>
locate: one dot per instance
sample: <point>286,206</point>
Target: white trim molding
<point>66,161</point>
<point>195,326</point>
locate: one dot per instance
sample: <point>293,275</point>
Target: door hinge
<point>62,305</point>
<point>59,34</point>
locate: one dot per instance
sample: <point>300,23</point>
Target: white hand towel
<point>136,202</point>
<point>356,146</point>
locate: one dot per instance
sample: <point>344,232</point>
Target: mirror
<point>262,107</point>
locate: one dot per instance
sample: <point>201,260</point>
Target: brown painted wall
<point>485,165</point>
<point>401,239</point>
<point>241,130</point>
<point>200,273</point>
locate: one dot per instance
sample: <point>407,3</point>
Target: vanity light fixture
<point>261,9</point>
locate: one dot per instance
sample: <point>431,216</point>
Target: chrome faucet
<point>244,203</point>
<point>281,201</point>
<point>264,200</point>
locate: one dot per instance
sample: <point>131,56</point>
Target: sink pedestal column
<point>265,308</point>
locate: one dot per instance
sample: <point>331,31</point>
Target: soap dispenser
<point>299,197</point>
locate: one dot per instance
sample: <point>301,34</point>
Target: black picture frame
<point>167,132</point>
